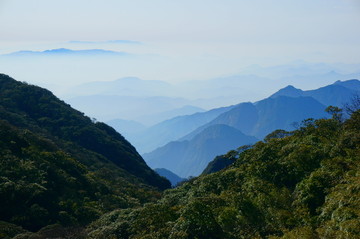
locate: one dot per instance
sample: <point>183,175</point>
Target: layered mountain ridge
<point>284,110</point>
<point>190,157</point>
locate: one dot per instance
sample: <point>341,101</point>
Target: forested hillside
<point>299,184</point>
<point>59,166</point>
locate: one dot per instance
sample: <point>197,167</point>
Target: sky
<point>243,21</point>
<point>180,39</point>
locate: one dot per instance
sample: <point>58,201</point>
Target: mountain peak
<point>289,87</point>
<point>288,91</point>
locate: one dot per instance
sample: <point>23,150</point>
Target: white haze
<point>211,53</point>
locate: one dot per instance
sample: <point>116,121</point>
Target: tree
<point>353,105</point>
<point>336,112</point>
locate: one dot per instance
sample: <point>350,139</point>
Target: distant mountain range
<point>66,52</point>
<point>130,98</point>
<point>336,94</point>
<point>189,158</point>
<point>204,94</point>
<point>281,110</point>
<point>172,129</point>
<point>261,118</point>
<point>256,119</point>
<point>146,110</point>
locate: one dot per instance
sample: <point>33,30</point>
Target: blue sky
<point>187,39</point>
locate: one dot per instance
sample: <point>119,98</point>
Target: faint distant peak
<point>65,51</point>
<point>89,51</point>
<point>129,78</point>
<point>136,80</point>
<point>56,51</point>
<point>289,90</point>
<point>106,42</point>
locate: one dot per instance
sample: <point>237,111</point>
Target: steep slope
<point>40,109</point>
<point>222,161</point>
<point>189,158</point>
<point>172,177</point>
<point>282,112</point>
<point>39,182</point>
<point>305,185</point>
<point>75,165</point>
<point>218,163</point>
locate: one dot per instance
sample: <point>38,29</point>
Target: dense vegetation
<point>222,161</point>
<point>300,184</point>
<point>58,166</point>
<point>70,177</point>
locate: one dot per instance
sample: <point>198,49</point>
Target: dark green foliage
<point>38,110</point>
<point>277,134</point>
<point>217,164</point>
<point>223,161</point>
<point>303,184</point>
<point>57,166</point>
<point>40,184</point>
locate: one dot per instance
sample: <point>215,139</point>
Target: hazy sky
<point>189,39</point>
<point>242,21</point>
